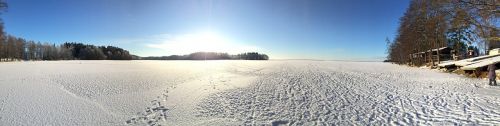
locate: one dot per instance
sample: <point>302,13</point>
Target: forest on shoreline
<point>462,25</point>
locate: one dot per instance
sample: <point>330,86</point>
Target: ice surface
<point>285,92</point>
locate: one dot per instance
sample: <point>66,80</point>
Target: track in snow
<point>341,93</point>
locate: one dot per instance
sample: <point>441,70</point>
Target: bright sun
<point>210,42</point>
<point>201,42</point>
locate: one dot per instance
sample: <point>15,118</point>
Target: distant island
<point>211,56</point>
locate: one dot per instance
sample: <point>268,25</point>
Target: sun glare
<point>201,42</point>
<point>209,42</point>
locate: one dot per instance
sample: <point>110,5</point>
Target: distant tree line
<point>91,52</point>
<point>211,56</point>
<point>14,49</point>
<point>458,24</point>
<point>252,56</point>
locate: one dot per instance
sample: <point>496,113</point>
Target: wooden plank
<point>466,62</point>
<point>482,63</point>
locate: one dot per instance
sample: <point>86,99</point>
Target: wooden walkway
<point>472,62</point>
<point>482,63</point>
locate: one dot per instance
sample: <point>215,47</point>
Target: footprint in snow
<point>279,123</point>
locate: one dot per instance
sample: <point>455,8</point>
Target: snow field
<point>288,92</point>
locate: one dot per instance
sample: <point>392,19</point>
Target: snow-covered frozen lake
<point>290,92</point>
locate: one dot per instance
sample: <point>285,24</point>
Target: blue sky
<point>283,29</point>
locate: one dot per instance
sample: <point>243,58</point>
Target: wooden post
<point>411,60</point>
<point>439,56</point>
<point>426,58</point>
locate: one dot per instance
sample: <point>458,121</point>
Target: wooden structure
<point>431,57</point>
<point>482,63</point>
<point>476,65</point>
<point>464,62</point>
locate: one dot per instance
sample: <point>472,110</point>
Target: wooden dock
<point>472,63</point>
